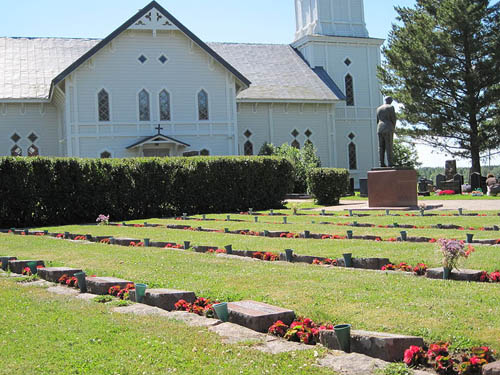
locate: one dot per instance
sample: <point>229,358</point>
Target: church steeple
<point>330,17</point>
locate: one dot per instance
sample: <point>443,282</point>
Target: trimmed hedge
<point>327,185</point>
<point>55,191</point>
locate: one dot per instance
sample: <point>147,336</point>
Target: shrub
<point>303,161</point>
<point>57,191</point>
<point>327,185</point>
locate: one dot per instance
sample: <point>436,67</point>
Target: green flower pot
<point>446,273</point>
<point>266,233</point>
<point>395,225</point>
<point>284,220</point>
<point>323,212</point>
<point>147,242</point>
<point>66,235</point>
<point>307,234</point>
<point>271,212</point>
<point>229,249</point>
<point>404,235</point>
<point>256,219</point>
<point>221,311</point>
<point>347,259</point>
<point>204,217</point>
<point>140,292</point>
<point>343,333</point>
<point>250,211</point>
<point>388,212</point>
<point>470,237</point>
<point>226,230</point>
<point>32,267</point>
<point>350,213</point>
<point>228,217</point>
<point>88,237</point>
<point>289,255</point>
<point>460,211</point>
<point>82,281</point>
<point>187,245</point>
<point>349,234</point>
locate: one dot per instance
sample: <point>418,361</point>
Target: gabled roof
<point>28,65</point>
<point>130,22</point>
<point>157,138</point>
<point>277,72</point>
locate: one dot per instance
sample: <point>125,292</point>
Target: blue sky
<point>248,21</point>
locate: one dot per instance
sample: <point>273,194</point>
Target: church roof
<point>277,72</point>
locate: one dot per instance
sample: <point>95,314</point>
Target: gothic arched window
<point>164,106</point>
<point>202,105</point>
<point>248,148</point>
<point>353,159</point>
<point>144,107</point>
<point>349,90</point>
<point>103,104</point>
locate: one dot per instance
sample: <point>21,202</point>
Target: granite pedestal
<point>53,274</point>
<point>164,298</point>
<point>17,266</point>
<point>257,315</point>
<point>101,285</point>
<point>385,346</point>
<point>392,187</point>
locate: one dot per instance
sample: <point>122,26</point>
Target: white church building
<point>153,88</point>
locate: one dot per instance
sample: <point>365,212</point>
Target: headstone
<point>101,285</point>
<point>475,180</point>
<point>17,266</point>
<point>4,260</point>
<point>257,315</point>
<point>462,275</point>
<point>164,298</point>
<point>422,185</point>
<point>450,169</point>
<point>385,346</point>
<point>363,187</point>
<point>53,274</point>
<point>124,241</point>
<point>440,178</point>
<point>459,179</point>
<point>351,186</point>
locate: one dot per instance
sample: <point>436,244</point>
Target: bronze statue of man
<point>386,119</point>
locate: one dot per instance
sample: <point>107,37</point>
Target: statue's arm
<point>393,117</point>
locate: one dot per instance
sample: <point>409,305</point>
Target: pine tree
<point>443,65</point>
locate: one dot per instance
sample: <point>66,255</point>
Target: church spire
<point>330,17</point>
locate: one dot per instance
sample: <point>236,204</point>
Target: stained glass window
<point>349,90</point>
<point>296,144</point>
<point>164,106</point>
<point>144,110</point>
<point>16,151</point>
<point>248,148</point>
<point>103,100</point>
<point>202,105</point>
<point>33,151</point>
<point>353,162</point>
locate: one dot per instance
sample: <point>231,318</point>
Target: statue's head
<point>388,100</point>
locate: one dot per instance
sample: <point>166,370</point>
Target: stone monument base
<point>392,187</point>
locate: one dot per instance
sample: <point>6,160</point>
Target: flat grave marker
<point>17,266</point>
<point>257,315</point>
<point>101,285</point>
<point>164,298</point>
<point>53,274</point>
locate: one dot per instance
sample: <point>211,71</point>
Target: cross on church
<point>159,128</point>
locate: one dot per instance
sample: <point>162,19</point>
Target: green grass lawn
<point>465,313</point>
<point>43,333</point>
<point>485,258</point>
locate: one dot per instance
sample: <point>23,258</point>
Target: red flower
<point>432,240</point>
<point>475,361</point>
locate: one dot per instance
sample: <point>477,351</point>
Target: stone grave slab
<point>164,298</point>
<point>17,266</point>
<point>352,364</point>
<point>7,258</point>
<point>275,345</point>
<point>462,275</point>
<point>101,285</point>
<point>126,241</point>
<point>366,263</point>
<point>62,290</point>
<point>257,315</point>
<point>385,346</point>
<point>492,368</point>
<point>53,274</point>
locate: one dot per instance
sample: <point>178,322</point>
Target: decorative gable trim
<point>131,22</point>
<point>153,20</point>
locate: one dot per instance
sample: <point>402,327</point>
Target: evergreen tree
<point>443,65</point>
<point>405,154</point>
